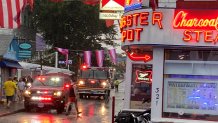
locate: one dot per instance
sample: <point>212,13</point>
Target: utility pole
<point>56,59</point>
<point>40,62</point>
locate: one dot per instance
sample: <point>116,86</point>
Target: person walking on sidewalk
<point>21,87</point>
<point>15,80</point>
<point>10,88</point>
<point>116,84</point>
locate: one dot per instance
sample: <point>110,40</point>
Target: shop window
<point>191,84</point>
<point>141,86</point>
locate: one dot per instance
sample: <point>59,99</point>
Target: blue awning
<point>11,64</point>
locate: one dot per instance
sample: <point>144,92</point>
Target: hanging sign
<point>132,5</point>
<point>112,5</point>
<point>197,24</point>
<point>25,46</point>
<point>143,76</point>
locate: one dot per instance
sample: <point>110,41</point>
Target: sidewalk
<point>15,108</point>
<point>119,98</point>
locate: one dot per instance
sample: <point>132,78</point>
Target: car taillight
<point>67,86</point>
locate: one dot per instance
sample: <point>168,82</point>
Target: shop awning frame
<point>10,64</point>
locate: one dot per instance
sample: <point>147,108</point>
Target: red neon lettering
<point>157,17</point>
<point>216,39</point>
<point>138,31</point>
<point>136,16</point>
<point>123,36</point>
<point>139,57</point>
<point>123,22</point>
<point>197,35</point>
<point>129,20</point>
<point>130,35</point>
<point>181,21</point>
<point>187,35</point>
<point>144,18</point>
<point>208,36</point>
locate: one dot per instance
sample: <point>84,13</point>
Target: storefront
<point>8,60</point>
<point>172,63</point>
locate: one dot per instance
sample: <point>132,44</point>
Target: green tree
<point>71,25</point>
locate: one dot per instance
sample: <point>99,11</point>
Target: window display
<point>141,86</point>
<point>191,84</point>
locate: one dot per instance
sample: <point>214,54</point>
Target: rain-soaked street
<point>93,111</point>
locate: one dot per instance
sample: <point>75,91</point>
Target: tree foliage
<point>72,25</point>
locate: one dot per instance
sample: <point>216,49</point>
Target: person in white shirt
<point>21,87</point>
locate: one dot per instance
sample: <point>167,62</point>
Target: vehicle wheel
<point>80,96</point>
<point>60,110</point>
<point>27,107</point>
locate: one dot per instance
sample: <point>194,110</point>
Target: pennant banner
<point>63,52</point>
<point>87,58</point>
<point>113,56</point>
<point>40,43</point>
<point>100,57</point>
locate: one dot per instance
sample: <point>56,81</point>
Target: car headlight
<point>81,82</point>
<point>104,83</point>
<point>29,84</point>
<point>57,93</point>
<point>27,92</point>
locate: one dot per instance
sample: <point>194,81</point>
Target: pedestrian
<point>72,99</point>
<point>9,88</point>
<point>116,84</point>
<point>15,80</point>
<point>21,87</point>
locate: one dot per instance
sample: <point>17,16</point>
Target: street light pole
<point>56,59</point>
<point>40,63</point>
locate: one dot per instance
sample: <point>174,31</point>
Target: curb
<point>12,112</point>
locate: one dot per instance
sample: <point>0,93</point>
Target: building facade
<point>172,60</point>
<point>8,59</point>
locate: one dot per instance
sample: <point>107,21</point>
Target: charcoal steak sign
<point>143,76</point>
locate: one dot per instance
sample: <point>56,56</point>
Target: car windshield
<point>94,74</point>
<point>52,81</point>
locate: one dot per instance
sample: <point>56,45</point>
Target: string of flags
<point>87,56</point>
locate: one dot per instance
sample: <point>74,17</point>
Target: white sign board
<point>113,16</point>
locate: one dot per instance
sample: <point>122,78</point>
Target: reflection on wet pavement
<point>93,111</point>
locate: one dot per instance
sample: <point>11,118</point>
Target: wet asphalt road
<point>93,111</point>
